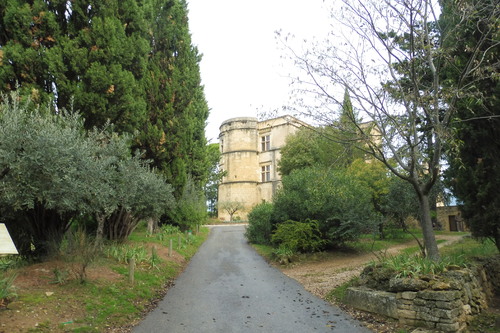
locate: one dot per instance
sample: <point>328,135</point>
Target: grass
<point>471,248</point>
<point>372,242</point>
<point>338,293</point>
<point>117,303</point>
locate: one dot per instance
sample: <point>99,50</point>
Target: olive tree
<point>52,172</point>
<point>44,158</point>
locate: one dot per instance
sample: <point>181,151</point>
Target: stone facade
<point>450,218</point>
<point>250,152</point>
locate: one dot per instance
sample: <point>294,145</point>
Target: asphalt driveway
<point>228,287</point>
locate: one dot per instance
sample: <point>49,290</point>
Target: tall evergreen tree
<point>177,110</point>
<point>474,174</point>
<point>129,62</point>
<point>89,50</point>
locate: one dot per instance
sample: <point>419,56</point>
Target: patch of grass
<point>416,249</point>
<point>411,265</point>
<point>471,248</point>
<point>338,294</point>
<point>265,251</point>
<point>372,242</point>
<point>7,289</point>
<point>42,327</point>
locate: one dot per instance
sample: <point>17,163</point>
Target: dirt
<point>57,303</point>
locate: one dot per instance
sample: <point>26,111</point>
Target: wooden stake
<point>131,269</point>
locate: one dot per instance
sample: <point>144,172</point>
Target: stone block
<point>407,314</point>
<point>420,302</point>
<point>408,295</point>
<point>439,285</point>
<point>448,314</point>
<point>455,327</point>
<point>427,317</point>
<point>406,284</point>
<point>439,295</point>
<point>375,301</point>
<point>412,322</point>
<point>449,305</point>
<point>405,306</point>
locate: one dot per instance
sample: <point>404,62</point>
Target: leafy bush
<point>341,204</point>
<point>259,224</point>
<point>298,236</point>
<point>190,209</point>
<point>123,253</point>
<point>166,231</point>
<point>283,254</point>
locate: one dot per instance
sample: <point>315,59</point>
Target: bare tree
<point>392,55</point>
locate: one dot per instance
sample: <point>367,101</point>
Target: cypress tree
<point>89,50</point>
<point>129,62</point>
<point>174,134</point>
<point>474,174</point>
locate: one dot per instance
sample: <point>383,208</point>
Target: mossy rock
<point>377,277</point>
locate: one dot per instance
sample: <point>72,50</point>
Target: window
<point>265,142</point>
<point>266,173</point>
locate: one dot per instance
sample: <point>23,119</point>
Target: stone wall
<point>445,303</point>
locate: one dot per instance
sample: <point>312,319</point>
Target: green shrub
<point>298,236</point>
<point>259,224</point>
<point>341,204</point>
<point>7,290</point>
<point>283,255</point>
<point>167,230</point>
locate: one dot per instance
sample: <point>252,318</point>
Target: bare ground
<point>58,307</point>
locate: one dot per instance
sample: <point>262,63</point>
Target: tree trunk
<point>427,230</point>
<point>152,226</point>
<point>100,229</point>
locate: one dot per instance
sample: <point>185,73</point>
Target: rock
<point>407,284</point>
<point>376,277</point>
<point>439,285</point>
<point>375,301</point>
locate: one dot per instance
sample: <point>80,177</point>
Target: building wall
<point>251,161</point>
<point>450,218</point>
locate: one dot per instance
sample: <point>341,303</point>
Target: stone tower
<point>250,151</point>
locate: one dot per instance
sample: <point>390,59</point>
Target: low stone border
<point>445,303</point>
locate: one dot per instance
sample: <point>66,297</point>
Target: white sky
<point>241,67</point>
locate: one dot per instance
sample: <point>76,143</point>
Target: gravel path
<point>228,287</point>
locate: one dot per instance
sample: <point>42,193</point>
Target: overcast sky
<point>242,69</point>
